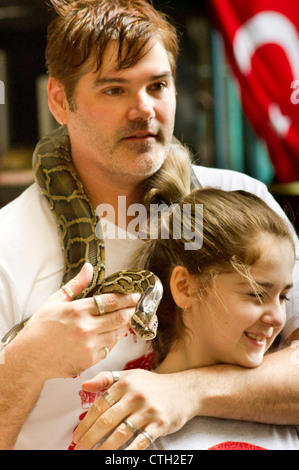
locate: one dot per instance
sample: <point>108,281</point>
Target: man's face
<point>123,120</point>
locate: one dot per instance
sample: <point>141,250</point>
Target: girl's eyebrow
<point>266,285</point>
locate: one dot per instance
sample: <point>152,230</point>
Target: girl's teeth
<point>255,337</point>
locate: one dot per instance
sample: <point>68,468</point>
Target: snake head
<point>146,332</point>
<point>144,321</point>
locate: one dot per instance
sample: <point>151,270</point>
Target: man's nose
<point>141,107</point>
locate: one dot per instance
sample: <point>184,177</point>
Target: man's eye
<point>113,91</point>
<point>158,86</point>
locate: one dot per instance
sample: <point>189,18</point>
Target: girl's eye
<point>260,296</point>
<point>284,297</point>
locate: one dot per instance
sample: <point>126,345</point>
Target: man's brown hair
<point>79,34</point>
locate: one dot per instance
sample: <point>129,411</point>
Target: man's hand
<point>148,400</point>
<point>66,337</point>
<point>60,340</point>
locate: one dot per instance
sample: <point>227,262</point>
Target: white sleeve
<point>31,259</point>
<point>231,181</point>
<point>10,311</point>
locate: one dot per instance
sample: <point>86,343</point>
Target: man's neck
<point>105,189</point>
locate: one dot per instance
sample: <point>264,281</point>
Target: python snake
<point>77,222</point>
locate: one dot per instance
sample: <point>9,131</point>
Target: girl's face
<point>235,323</point>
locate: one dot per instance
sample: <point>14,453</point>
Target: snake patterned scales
<point>81,239</point>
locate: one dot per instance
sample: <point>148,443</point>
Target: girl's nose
<point>275,314</point>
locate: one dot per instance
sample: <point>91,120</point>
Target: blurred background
<point>236,81</point>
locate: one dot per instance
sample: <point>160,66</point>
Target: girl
<point>223,303</point>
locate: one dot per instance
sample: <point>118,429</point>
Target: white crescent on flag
<point>261,39</point>
<point>265,28</point>
<point>268,27</point>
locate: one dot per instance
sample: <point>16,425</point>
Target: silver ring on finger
<point>148,436</point>
<point>130,426</point>
<point>69,292</point>
<point>99,304</point>
<point>109,398</point>
<point>115,376</point>
<point>106,351</point>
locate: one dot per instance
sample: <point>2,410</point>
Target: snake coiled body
<point>78,228</point>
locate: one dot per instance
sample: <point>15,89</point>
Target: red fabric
<point>143,362</point>
<point>262,43</point>
<point>236,446</point>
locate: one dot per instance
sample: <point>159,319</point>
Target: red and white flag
<point>261,39</point>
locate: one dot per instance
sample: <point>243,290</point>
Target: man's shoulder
<point>26,217</point>
<point>29,240</point>
<point>27,200</point>
<point>227,180</point>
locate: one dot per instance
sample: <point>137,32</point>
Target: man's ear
<point>57,101</point>
<point>182,286</point>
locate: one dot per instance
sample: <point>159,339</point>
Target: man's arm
<point>163,403</point>
<point>20,388</point>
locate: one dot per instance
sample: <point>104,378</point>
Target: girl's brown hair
<point>82,29</point>
<point>230,228</point>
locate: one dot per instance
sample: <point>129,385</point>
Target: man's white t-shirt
<point>31,269</point>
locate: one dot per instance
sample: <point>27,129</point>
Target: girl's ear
<point>57,101</point>
<point>182,286</point>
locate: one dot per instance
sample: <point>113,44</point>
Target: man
<point>111,82</point>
